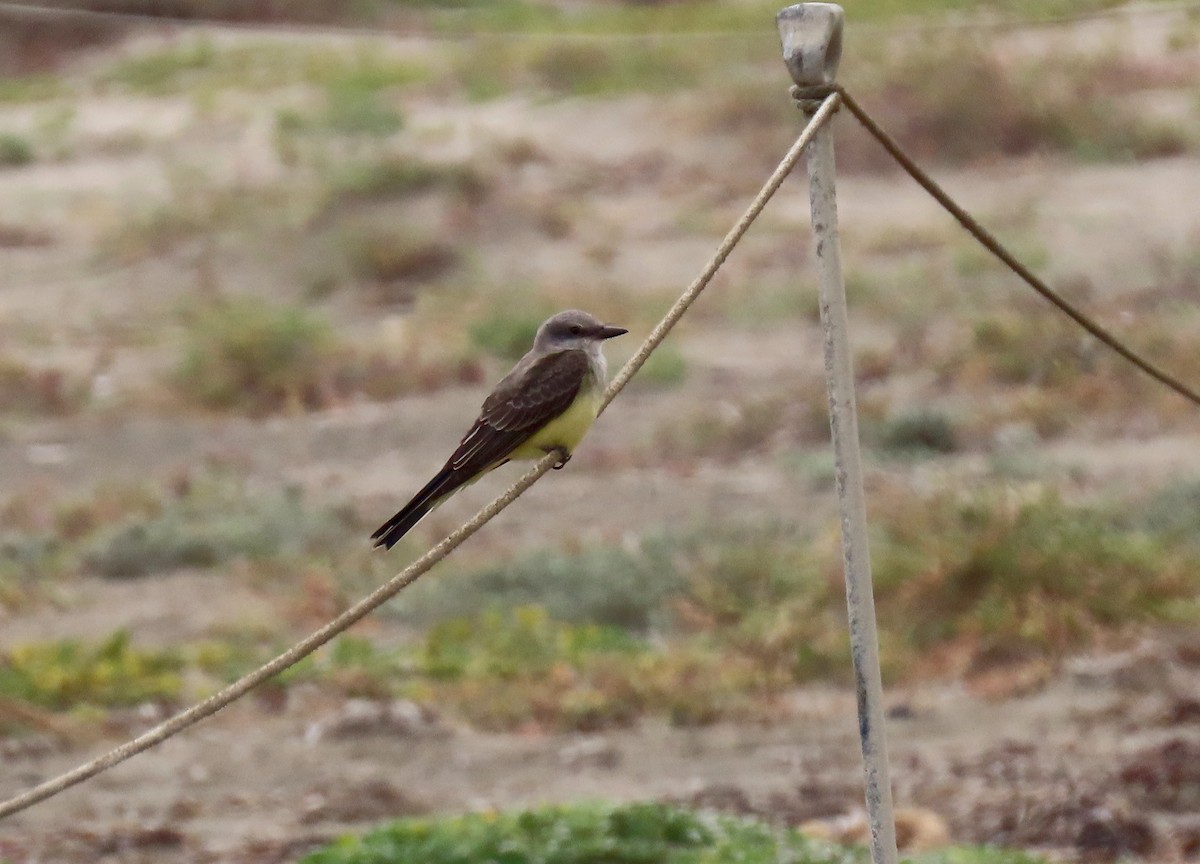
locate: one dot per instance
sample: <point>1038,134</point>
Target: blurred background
<point>260,262</point>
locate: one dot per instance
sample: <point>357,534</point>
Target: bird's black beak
<point>608,332</point>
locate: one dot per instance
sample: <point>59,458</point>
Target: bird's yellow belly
<point>566,430</point>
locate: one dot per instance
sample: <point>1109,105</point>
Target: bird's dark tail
<point>390,532</point>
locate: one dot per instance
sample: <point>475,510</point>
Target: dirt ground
<point>1101,763</point>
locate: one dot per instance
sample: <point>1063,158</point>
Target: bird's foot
<point>563,457</point>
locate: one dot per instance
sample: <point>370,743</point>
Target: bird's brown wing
<point>517,409</point>
<point>524,402</point>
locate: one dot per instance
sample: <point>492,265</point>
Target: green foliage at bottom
<point>589,834</point>
<point>68,674</point>
<point>606,834</point>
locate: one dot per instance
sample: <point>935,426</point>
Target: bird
<point>546,404</point>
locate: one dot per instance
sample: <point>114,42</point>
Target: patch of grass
<point>638,833</point>
<point>963,582</point>
<point>26,389</point>
<point>257,358</point>
<point>728,430</point>
<point>596,585</point>
<point>198,206</point>
<point>352,110</point>
<point>68,674</point>
<point>199,63</point>
<point>386,254</point>
<point>666,367</point>
<point>352,106</point>
<point>211,522</point>
<point>578,67</point>
<point>17,89</point>
<point>1000,578</point>
<point>919,432</point>
<point>1053,103</point>
<point>1017,348</point>
<point>1173,512</point>
<point>23,235</point>
<point>1042,369</point>
<point>507,331</point>
<point>15,151</point>
<point>522,669</point>
<point>251,356</point>
<point>164,71</point>
<point>399,176</point>
<point>590,69</point>
<point>195,519</point>
<point>716,624</point>
<point>30,563</point>
<point>621,834</point>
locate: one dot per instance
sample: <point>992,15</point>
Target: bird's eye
<point>576,329</point>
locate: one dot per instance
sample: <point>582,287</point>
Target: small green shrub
<point>160,72</point>
<point>506,332</point>
<point>258,357</point>
<point>30,563</point>
<point>355,107</point>
<point>1173,513</point>
<point>68,674</point>
<point>666,367</point>
<point>28,390</point>
<point>392,176</point>
<point>216,520</point>
<point>920,432</point>
<point>1019,578</point>
<point>639,833</point>
<point>387,254</point>
<point>597,585</point>
<point>15,151</point>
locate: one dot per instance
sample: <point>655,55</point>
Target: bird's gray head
<point>573,329</point>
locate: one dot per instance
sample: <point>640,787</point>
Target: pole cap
<point>811,35</point>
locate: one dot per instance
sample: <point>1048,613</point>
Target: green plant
<point>387,254</point>
<point>729,431</point>
<point>666,367</point>
<point>216,519</point>
<point>30,88</point>
<point>1009,579</point>
<point>15,151</point>
<point>1055,102</point>
<point>921,431</point>
<point>30,562</point>
<point>354,106</point>
<point>507,332</point>
<point>638,833</point>
<point>68,674</point>
<point>160,72</point>
<point>1173,513</point>
<point>393,176</point>
<point>595,585</point>
<point>28,390</point>
<point>1042,349</point>
<point>252,355</point>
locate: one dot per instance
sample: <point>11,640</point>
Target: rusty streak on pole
<point>811,34</point>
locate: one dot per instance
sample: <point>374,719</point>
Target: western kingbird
<point>544,405</point>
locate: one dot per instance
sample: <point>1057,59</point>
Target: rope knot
<point>809,99</point>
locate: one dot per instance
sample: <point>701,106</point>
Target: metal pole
<point>811,34</point>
